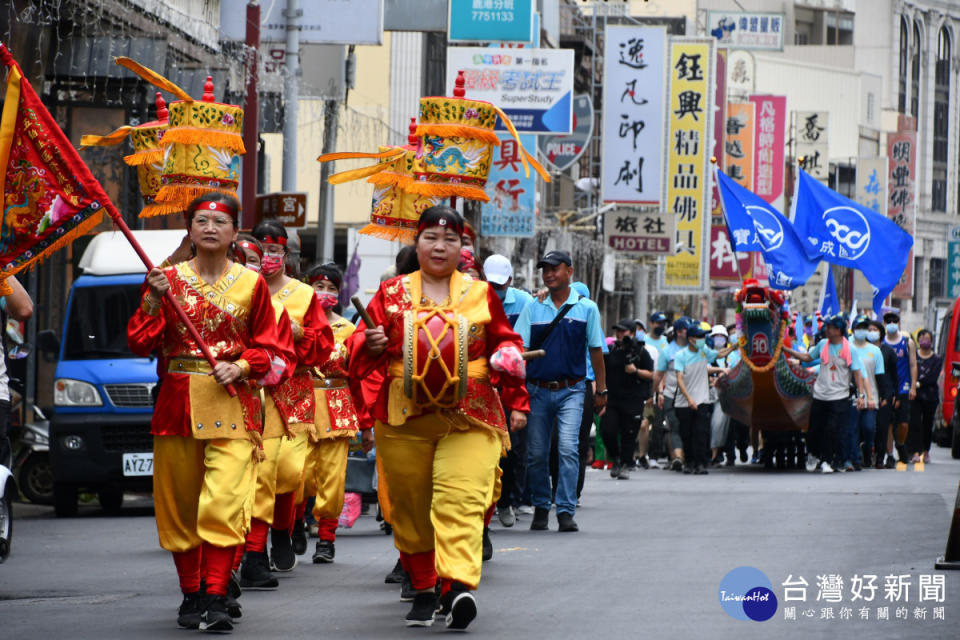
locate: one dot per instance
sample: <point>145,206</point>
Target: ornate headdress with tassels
<point>189,150</point>
<point>449,155</point>
<point>147,155</point>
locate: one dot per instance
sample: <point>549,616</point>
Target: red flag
<point>49,195</point>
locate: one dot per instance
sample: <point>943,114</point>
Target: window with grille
<point>938,278</point>
<point>941,122</point>
<point>904,45</point>
<point>915,72</point>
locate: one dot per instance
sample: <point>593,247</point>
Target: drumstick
<point>358,305</point>
<point>533,355</point>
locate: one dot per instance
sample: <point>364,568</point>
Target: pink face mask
<point>270,264</point>
<point>253,267</point>
<point>327,300</point>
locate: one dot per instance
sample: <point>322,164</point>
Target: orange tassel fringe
<point>447,190</point>
<point>144,157</point>
<point>399,234</point>
<point>176,199</point>
<point>191,135</point>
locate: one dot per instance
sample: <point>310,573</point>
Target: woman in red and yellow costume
<point>205,441</point>
<point>289,415</point>
<point>439,425</point>
<point>336,423</point>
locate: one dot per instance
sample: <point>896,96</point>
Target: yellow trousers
<point>439,472</point>
<point>329,476</point>
<point>280,472</point>
<point>202,491</point>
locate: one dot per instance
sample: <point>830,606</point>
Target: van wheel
<point>111,499</point>
<point>65,500</point>
<point>36,479</point>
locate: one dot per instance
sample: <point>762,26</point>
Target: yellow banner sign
<point>687,167</point>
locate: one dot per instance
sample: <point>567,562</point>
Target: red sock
<point>257,538</point>
<point>488,516</point>
<point>445,586</point>
<point>283,506</point>
<point>188,569</point>
<point>219,566</point>
<point>421,567</point>
<point>238,558</point>
<point>327,529</point>
<point>301,509</point>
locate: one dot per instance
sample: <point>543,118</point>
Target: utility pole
<point>291,95</point>
<point>331,122</point>
<point>251,111</point>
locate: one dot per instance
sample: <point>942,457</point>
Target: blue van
<point>103,394</point>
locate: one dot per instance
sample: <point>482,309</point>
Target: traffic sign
<point>289,208</point>
<point>563,151</point>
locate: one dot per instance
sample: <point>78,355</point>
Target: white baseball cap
<point>498,269</point>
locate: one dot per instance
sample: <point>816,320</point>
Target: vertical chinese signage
<point>512,207</point>
<point>687,185</point>
<point>633,82</point>
<point>953,262</point>
<point>720,108</point>
<point>902,172</point>
<point>771,127</point>
<point>740,132</point>
<point>812,143</point>
<point>872,183</point>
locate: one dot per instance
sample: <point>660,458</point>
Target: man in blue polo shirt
<point>556,385</point>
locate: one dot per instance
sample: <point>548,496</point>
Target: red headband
<point>442,222</point>
<point>246,244</point>
<point>275,240</point>
<point>318,277</point>
<point>216,206</point>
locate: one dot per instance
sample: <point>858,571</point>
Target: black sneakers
<point>487,551</point>
<point>188,616</point>
<point>255,573</point>
<point>397,575</point>
<point>299,538</point>
<point>615,471</point>
<point>540,519</point>
<point>215,616</point>
<point>423,609</point>
<point>458,606</point>
<point>282,556</point>
<point>565,522</point>
<point>623,473</point>
<point>324,553</point>
<point>407,592</point>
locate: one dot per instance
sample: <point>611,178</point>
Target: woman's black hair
<point>269,227</point>
<point>328,270</point>
<point>432,217</point>
<point>214,196</point>
<point>406,260</point>
<point>922,332</point>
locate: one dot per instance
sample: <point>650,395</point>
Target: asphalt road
<point>648,562</point>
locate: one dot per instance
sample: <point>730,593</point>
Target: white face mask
<point>873,335</point>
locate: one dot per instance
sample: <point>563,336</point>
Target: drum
<point>435,357</point>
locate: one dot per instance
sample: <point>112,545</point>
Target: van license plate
<point>138,464</point>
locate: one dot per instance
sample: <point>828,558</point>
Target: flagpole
<point>723,209</point>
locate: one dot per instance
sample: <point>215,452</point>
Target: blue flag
<point>754,225</point>
<point>844,232</point>
<point>829,302</point>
